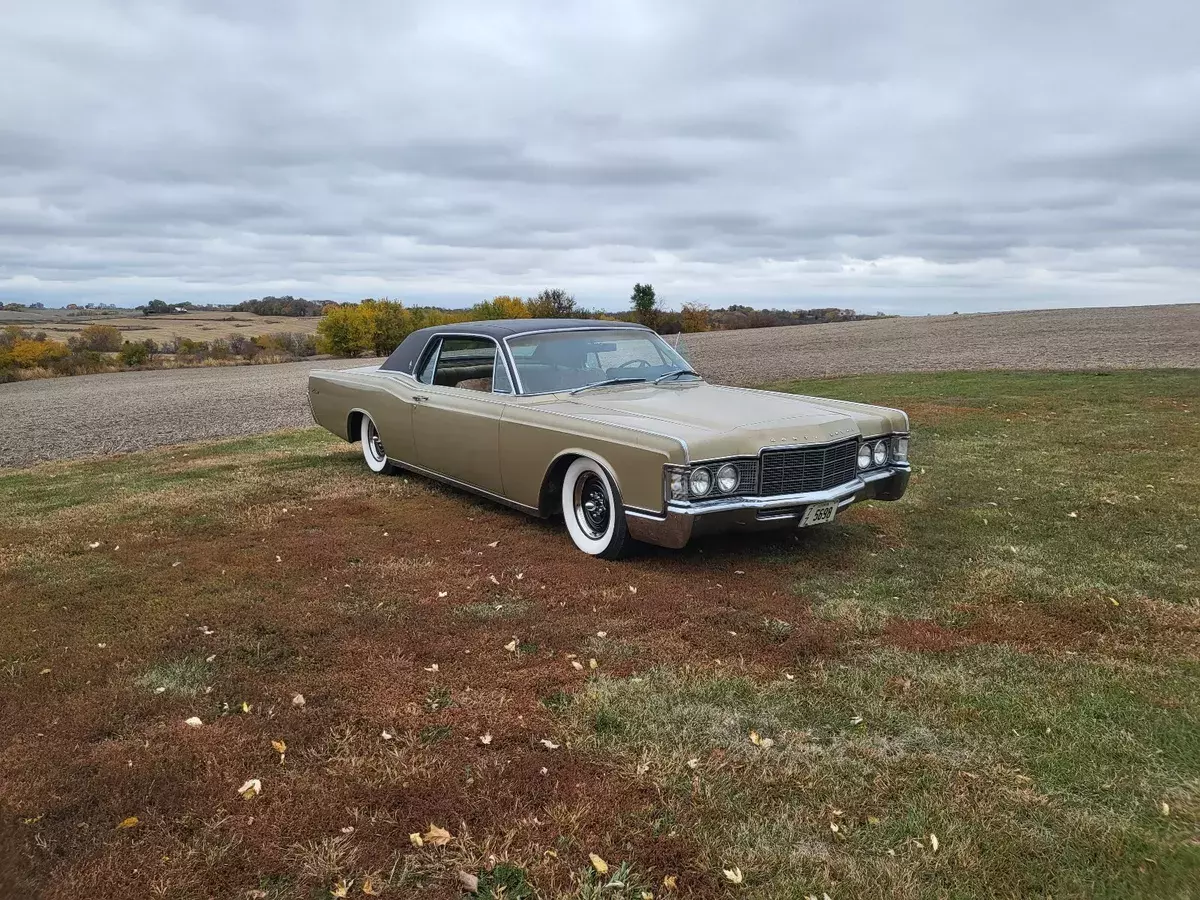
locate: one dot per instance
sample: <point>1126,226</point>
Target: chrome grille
<point>807,469</point>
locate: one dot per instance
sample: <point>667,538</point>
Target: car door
<point>457,409</point>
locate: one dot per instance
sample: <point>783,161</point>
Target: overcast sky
<point>890,156</point>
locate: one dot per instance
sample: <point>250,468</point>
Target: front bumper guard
<point>683,521</point>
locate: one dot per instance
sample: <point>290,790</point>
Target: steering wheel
<point>634,364</point>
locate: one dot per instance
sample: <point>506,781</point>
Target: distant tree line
<point>282,306</point>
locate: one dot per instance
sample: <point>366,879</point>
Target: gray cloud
<point>913,157</point>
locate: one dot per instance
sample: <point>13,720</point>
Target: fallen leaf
<point>193,722</point>
<point>494,544</point>
<point>486,738</point>
<point>577,665</point>
<point>933,841</point>
<point>349,829</point>
<point>1073,515</point>
<point>601,634</point>
<point>432,668</point>
<point>520,575</point>
<point>592,664</point>
<point>872,820</point>
<point>548,744</point>
<point>368,887</point>
<point>246,707</point>
<point>297,700</point>
<point>511,646</point>
<point>598,864</point>
<point>1166,810</point>
<point>734,875</point>
<point>438,837</point>
<point>416,840</point>
<point>342,888</point>
<point>693,763</point>
<point>856,720</point>
<point>647,895</point>
<point>130,822</point>
<point>44,672</point>
<point>670,882</point>
<point>442,594</point>
<point>468,881</point>
<point>493,579</point>
<point>632,589</point>
<point>93,545</point>
<point>251,789</point>
<point>386,735</point>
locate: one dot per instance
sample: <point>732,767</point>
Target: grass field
<point>991,688</point>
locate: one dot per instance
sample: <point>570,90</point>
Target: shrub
<point>694,317</point>
<point>101,338</point>
<point>551,303</point>
<point>345,331</point>
<point>134,354</point>
<point>82,362</point>
<point>245,347</point>
<point>219,349</point>
<point>502,307</point>
<point>26,353</point>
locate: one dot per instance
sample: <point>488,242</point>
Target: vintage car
<point>606,424</point>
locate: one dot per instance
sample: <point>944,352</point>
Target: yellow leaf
<point>246,707</point>
<point>369,888</point>
<point>670,882</point>
<point>1166,809</point>
<point>755,739</point>
<point>872,820</point>
<point>280,748</point>
<point>511,646</point>
<point>250,789</point>
<point>933,841</point>
<point>647,895</point>
<point>438,837</point>
<point>734,875</point>
<point>416,839</point>
<point>592,664</point>
<point>128,823</point>
<point>598,864</point>
<point>342,888</point>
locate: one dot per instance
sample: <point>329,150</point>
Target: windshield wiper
<point>608,381</point>
<point>676,374</point>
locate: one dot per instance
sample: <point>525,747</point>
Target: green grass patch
<point>1038,776</point>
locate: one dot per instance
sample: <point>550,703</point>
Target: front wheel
<point>373,452</point>
<point>593,511</point>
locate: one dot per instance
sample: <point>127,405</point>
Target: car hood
<point>714,420</point>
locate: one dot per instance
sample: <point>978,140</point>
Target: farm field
<point>198,326</point>
<point>991,688</point>
<point>98,414</point>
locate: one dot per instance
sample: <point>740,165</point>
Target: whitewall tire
<point>593,511</point>
<point>373,451</point>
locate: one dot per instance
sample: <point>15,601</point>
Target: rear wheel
<point>592,509</point>
<point>372,445</point>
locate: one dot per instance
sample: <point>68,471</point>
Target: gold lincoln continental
<point>607,425</point>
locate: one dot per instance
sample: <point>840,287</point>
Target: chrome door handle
<point>419,398</point>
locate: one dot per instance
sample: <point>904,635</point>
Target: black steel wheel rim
<point>592,508</point>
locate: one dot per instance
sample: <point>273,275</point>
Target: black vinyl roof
<point>404,358</point>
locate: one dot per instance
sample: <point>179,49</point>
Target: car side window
<point>467,363</point>
<point>426,374</point>
<point>501,382</point>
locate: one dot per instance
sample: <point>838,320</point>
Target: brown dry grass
<point>200,326</point>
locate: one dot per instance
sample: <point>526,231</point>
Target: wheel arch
<point>550,495</point>
<point>354,424</point>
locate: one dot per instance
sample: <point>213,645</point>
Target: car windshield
<point>569,360</point>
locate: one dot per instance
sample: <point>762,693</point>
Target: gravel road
<point>99,414</point>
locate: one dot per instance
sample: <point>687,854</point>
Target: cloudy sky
<point>889,156</point>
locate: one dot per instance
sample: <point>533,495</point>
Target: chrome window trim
<point>502,353</point>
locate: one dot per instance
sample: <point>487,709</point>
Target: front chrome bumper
<point>683,521</point>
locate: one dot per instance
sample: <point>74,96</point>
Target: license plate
<point>819,513</point>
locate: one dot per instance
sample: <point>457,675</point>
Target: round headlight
<point>880,453</point>
<point>864,456</point>
<point>700,482</point>
<point>727,479</point>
